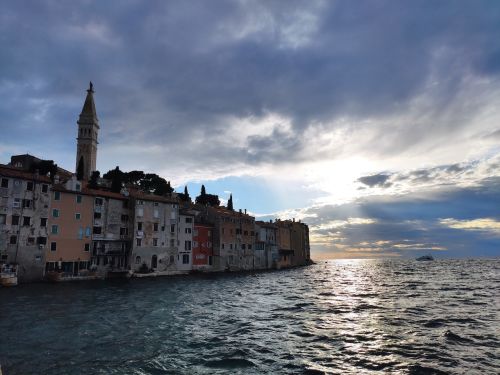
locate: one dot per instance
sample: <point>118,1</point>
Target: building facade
<point>203,247</point>
<point>24,211</point>
<point>70,232</point>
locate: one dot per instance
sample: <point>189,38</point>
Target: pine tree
<point>94,178</point>
<point>203,192</point>
<point>230,203</point>
<point>186,194</point>
<point>79,169</point>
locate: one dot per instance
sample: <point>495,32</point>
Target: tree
<point>230,203</point>
<point>80,169</point>
<point>45,167</point>
<point>134,177</point>
<point>116,177</point>
<point>94,178</point>
<point>207,199</point>
<point>185,196</point>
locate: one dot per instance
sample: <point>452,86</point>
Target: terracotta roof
<point>203,225</point>
<point>92,192</point>
<point>226,212</point>
<point>8,171</point>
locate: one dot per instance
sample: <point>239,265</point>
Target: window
<point>87,232</point>
<point>13,240</point>
<point>172,228</point>
<point>242,246</point>
<point>172,242</point>
<point>140,211</point>
<point>43,222</point>
<point>15,220</point>
<point>139,225</point>
<point>156,204</point>
<point>26,221</point>
<point>185,258</point>
<point>78,199</point>
<point>249,247</point>
<point>30,241</point>
<point>55,212</point>
<point>139,202</point>
<point>98,201</point>
<point>210,261</point>
<point>125,204</point>
<point>87,247</point>
<point>55,229</point>
<point>139,242</point>
<point>187,230</point>
<point>155,241</point>
<point>231,246</point>
<point>189,220</point>
<point>78,187</point>
<point>5,182</point>
<point>156,213</point>
<point>137,260</point>
<point>155,227</point>
<point>26,203</point>
<point>246,233</point>
<point>78,216</point>
<point>53,246</point>
<point>97,230</point>
<point>123,231</point>
<point>97,215</point>
<point>41,240</point>
<point>187,245</point>
<point>29,186</point>
<point>45,188</point>
<point>57,195</point>
<point>125,218</point>
<point>17,203</point>
<point>222,246</point>
<point>3,219</point>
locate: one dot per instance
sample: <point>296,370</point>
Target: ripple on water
<point>342,317</point>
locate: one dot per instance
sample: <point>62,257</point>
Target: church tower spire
<point>88,128</point>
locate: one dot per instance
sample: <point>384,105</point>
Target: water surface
<point>340,317</point>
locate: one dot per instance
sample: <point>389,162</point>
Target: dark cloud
<point>376,180</point>
<point>174,68</point>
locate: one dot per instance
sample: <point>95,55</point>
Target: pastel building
<point>24,212</point>
<point>185,241</point>
<point>155,234</point>
<point>112,229</point>
<point>70,232</point>
<point>203,247</point>
<point>266,245</point>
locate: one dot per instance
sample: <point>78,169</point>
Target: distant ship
<point>425,257</point>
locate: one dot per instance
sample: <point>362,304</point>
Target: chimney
<point>240,211</point>
<point>245,211</point>
<point>294,220</point>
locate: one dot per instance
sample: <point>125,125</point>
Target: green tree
<point>94,178</point>
<point>230,203</point>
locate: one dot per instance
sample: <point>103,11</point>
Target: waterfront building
<point>111,232</point>
<point>234,237</point>
<point>299,242</point>
<point>155,234</point>
<point>202,246</point>
<point>24,211</point>
<point>185,241</point>
<point>284,243</point>
<point>70,232</point>
<point>88,129</point>
<point>266,245</point>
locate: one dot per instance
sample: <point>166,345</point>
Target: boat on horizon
<point>425,258</point>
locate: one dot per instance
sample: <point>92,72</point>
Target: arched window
<point>137,260</point>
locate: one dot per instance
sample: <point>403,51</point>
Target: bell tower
<point>88,128</point>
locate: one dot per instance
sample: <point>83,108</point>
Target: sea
<point>334,317</point>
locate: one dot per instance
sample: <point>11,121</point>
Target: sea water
<point>335,317</point>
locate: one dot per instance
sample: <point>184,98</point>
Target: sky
<point>377,123</point>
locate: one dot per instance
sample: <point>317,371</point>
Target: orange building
<point>70,231</point>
